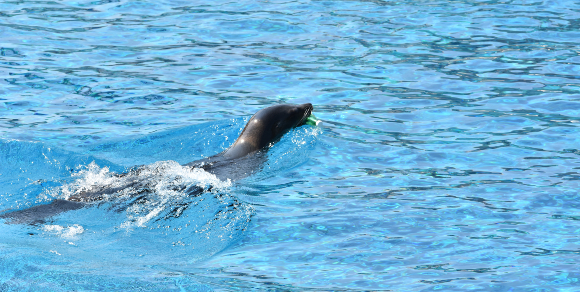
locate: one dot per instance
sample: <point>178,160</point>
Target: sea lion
<point>240,160</point>
<point>264,129</point>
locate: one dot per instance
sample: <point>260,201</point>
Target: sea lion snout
<point>306,109</point>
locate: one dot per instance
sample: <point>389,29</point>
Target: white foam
<point>163,182</point>
<point>90,176</point>
<point>66,232</point>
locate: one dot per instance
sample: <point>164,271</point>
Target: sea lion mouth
<point>307,113</point>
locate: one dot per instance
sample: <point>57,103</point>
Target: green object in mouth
<point>312,120</point>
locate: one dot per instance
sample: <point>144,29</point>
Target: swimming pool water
<point>447,158</point>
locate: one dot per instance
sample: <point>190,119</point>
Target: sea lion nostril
<point>307,106</point>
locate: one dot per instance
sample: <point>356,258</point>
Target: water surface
<point>447,160</point>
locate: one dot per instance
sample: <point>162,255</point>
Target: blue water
<point>447,159</point>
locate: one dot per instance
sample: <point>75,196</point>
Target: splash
<point>65,232</point>
<point>144,192</point>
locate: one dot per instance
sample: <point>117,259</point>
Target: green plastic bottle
<point>312,120</point>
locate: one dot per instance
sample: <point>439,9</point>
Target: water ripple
<point>449,154</point>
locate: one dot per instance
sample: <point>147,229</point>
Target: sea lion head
<point>267,126</point>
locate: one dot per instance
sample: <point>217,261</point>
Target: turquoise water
<point>447,158</point>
